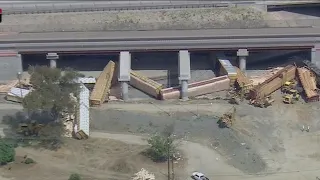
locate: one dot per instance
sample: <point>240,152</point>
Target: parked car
<point>199,176</point>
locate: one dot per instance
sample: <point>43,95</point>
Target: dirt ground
<point>263,143</point>
<point>94,159</point>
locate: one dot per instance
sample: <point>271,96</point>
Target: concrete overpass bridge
<point>241,41</point>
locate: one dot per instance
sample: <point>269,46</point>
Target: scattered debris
<point>87,80</point>
<point>262,103</point>
<point>17,94</point>
<point>243,83</point>
<point>143,175</point>
<point>227,119</point>
<point>5,88</point>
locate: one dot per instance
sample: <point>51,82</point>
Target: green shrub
<point>75,176</point>
<point>7,152</point>
<point>29,161</point>
<point>159,146</point>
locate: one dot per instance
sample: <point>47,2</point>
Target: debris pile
<point>68,122</point>
<point>5,88</point>
<point>256,80</point>
<point>17,94</point>
<point>143,175</point>
<point>292,81</point>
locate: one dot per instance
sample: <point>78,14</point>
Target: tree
<point>51,96</point>
<point>7,152</point>
<point>162,145</point>
<point>52,90</point>
<point>74,176</point>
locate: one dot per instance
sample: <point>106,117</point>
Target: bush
<point>7,152</point>
<point>75,176</point>
<point>159,146</point>
<point>29,161</point>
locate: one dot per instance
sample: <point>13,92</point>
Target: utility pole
<point>168,157</point>
<point>19,76</point>
<point>172,168</point>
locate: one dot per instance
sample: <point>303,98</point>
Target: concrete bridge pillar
<point>184,72</point>
<point>124,73</point>
<point>52,57</point>
<point>315,55</point>
<point>242,55</point>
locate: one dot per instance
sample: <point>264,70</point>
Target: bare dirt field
<point>92,159</point>
<point>263,143</point>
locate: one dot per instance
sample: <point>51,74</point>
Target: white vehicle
<point>198,176</point>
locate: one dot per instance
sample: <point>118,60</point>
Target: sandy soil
<point>92,159</point>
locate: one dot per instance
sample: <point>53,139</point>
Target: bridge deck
<point>172,34</point>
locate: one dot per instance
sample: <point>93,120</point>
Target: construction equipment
<point>288,85</point>
<point>227,119</point>
<point>30,129</point>
<point>262,103</point>
<point>291,97</point>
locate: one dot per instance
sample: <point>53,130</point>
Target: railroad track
<point>92,7</point>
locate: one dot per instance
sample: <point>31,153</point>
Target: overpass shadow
<point>279,60</point>
<point>163,66</point>
<point>309,11</point>
<point>201,66</point>
<point>33,60</point>
<point>159,66</point>
<point>79,62</point>
<point>88,62</point>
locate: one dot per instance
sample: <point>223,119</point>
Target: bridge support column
<point>242,55</point>
<point>53,57</point>
<point>124,73</point>
<point>184,72</point>
<point>315,55</point>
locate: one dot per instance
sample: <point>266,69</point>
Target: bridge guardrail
<point>137,26</point>
<point>88,7</point>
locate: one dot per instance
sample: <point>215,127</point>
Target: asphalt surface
<point>34,7</point>
<point>163,35</point>
<point>85,6</point>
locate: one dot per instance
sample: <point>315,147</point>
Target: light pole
<point>19,76</point>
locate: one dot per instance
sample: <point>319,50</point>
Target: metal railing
<point>108,6</point>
